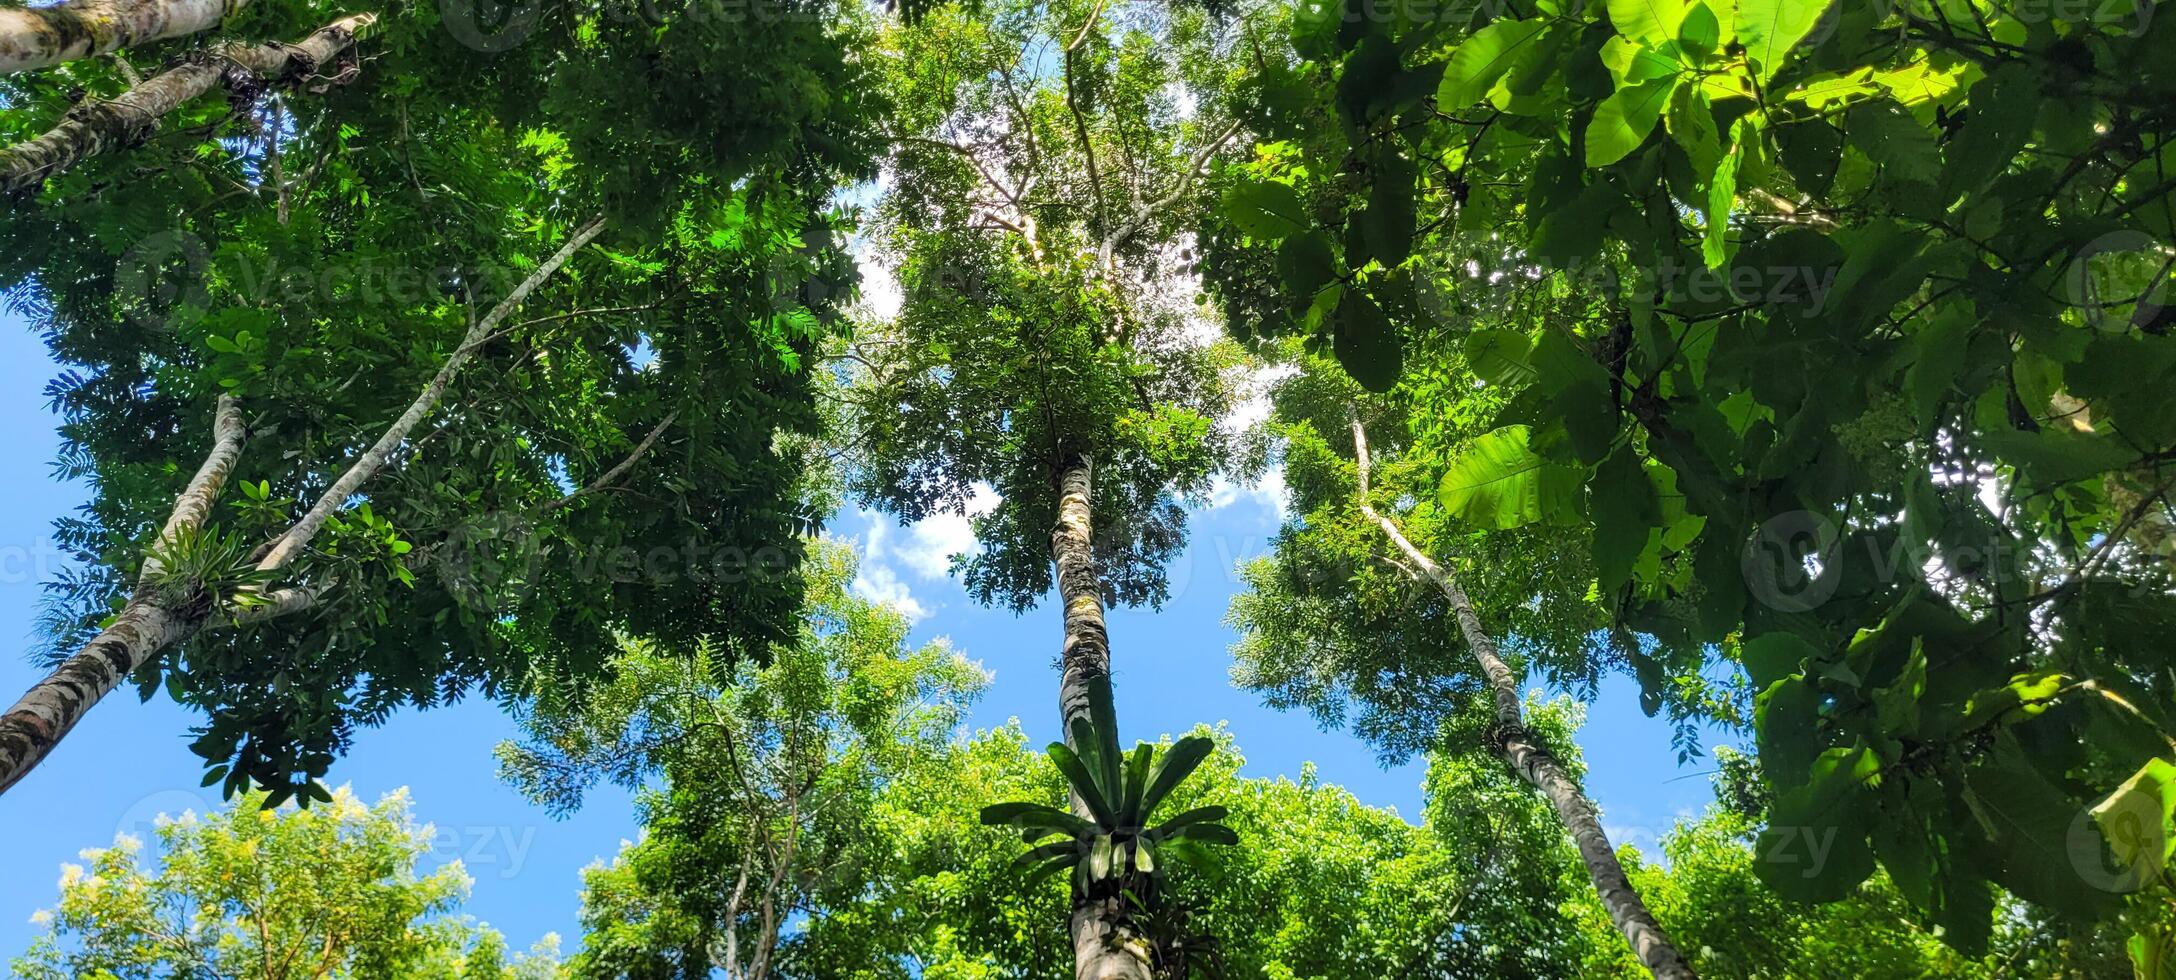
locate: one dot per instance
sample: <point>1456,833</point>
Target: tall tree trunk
<point>40,37</point>
<point>95,127</point>
<point>145,626</point>
<point>151,623</point>
<point>1532,760</point>
<point>1101,948</point>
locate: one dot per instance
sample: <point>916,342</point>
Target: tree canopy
<point>1805,362</point>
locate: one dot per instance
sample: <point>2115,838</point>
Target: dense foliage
<point>273,894</point>
<point>1806,361</point>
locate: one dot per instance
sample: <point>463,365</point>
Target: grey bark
<point>145,626</point>
<point>374,459</point>
<point>40,37</point>
<point>150,624</point>
<point>1102,947</point>
<point>130,118</point>
<point>1532,760</point>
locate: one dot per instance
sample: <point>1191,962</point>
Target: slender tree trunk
<point>144,627</point>
<point>96,127</point>
<point>40,37</point>
<point>1532,760</point>
<point>1101,950</point>
<point>148,626</point>
<point>297,537</point>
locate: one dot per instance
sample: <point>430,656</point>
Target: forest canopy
<point>1800,367</point>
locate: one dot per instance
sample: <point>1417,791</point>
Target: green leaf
<point>1082,781</point>
<point>1723,196</point>
<point>2057,454</point>
<point>1178,763</point>
<point>1131,814</point>
<point>1482,59</point>
<point>1621,123</point>
<point>1199,814</point>
<point>1630,62</point>
<point>1770,657</point>
<point>2135,821</point>
<point>1099,857</point>
<point>1035,816</point>
<point>1207,833</point>
<point>1266,209</point>
<point>1387,224</point>
<point>1144,859</point>
<point>1366,344</point>
<point>1498,482</point>
<point>1622,499</point>
<point>2030,820</point>
<point>1769,29</point>
<point>1653,21</point>
<point>1499,356</point>
<point>1815,847</point>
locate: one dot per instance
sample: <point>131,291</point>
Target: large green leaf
<point>1653,21</point>
<point>1815,847</point>
<point>1482,59</point>
<point>1036,818</point>
<point>1625,513</point>
<point>1769,29</point>
<point>1366,344</point>
<point>2030,820</point>
<point>1501,483</point>
<point>1621,123</point>
<point>1130,813</point>
<point>1083,782</point>
<point>1176,764</point>
<point>1266,209</point>
<point>1199,814</point>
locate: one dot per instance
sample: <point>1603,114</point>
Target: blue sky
<point>128,762</point>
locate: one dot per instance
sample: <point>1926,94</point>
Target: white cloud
<point>930,543</point>
<point>1268,492</point>
<point>876,582</point>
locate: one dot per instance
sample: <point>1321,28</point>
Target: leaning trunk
<point>1533,761</point>
<point>150,624</point>
<point>40,37</point>
<point>96,127</point>
<point>1102,949</point>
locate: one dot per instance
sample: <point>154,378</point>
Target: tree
<point>1033,221</point>
<point>626,459</point>
<point>274,894</point>
<point>39,37</point>
<point>1934,207</point>
<point>766,812</point>
<point>1271,648</point>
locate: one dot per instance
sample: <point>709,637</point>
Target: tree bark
<point>96,127</point>
<point>1532,760</point>
<point>374,459</point>
<point>144,627</point>
<point>1102,947</point>
<point>40,37</point>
